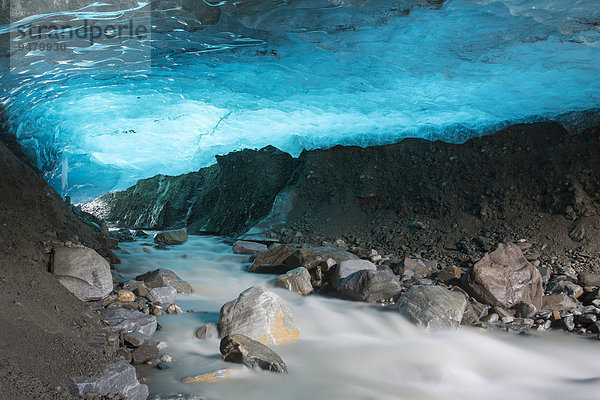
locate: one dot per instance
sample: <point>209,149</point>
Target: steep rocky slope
<point>48,335</point>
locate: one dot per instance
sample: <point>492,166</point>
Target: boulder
<point>505,278</point>
<point>83,272</point>
<point>273,257</point>
<point>259,314</point>
<point>118,378</point>
<point>127,321</point>
<point>144,353</point>
<point>433,307</point>
<point>241,349</point>
<point>162,296</point>
<point>311,257</point>
<point>296,280</point>
<point>174,237</point>
<point>370,286</point>
<point>207,331</point>
<point>250,248</point>
<point>164,277</point>
<point>348,267</point>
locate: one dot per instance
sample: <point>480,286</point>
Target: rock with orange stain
<point>259,314</point>
<point>210,377</point>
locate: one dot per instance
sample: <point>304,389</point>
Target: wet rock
<point>418,266</point>
<point>207,331</point>
<point>164,277</point>
<point>259,314</point>
<point>127,321</point>
<point>118,378</point>
<point>241,349</point>
<point>525,310</point>
<point>135,339</point>
<point>174,310</point>
<point>157,311</point>
<point>162,296</point>
<point>311,257</point>
<point>174,237</point>
<point>83,272</point>
<point>558,302</point>
<point>250,248</point>
<point>125,296</point>
<point>144,353</point>
<point>370,286</point>
<point>449,274</point>
<point>433,307</point>
<point>296,280</point>
<point>505,278</point>
<point>177,396</point>
<point>209,377</point>
<point>348,267</point>
<point>273,257</point>
<point>140,234</point>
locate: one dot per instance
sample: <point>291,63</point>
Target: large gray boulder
<point>118,378</point>
<point>348,267</point>
<point>127,321</point>
<point>83,272</point>
<point>164,277</point>
<point>505,278</point>
<point>259,314</point>
<point>178,236</point>
<point>241,349</point>
<point>162,296</point>
<point>433,307</point>
<point>370,286</point>
<point>296,280</point>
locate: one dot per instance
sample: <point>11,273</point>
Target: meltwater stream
<point>349,350</point>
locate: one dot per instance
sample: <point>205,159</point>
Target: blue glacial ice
<point>297,74</point>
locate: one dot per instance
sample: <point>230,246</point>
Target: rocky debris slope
<point>42,323</point>
<point>531,181</point>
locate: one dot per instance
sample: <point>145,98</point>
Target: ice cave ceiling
<point>217,76</point>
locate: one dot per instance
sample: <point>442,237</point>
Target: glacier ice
<point>299,74</point>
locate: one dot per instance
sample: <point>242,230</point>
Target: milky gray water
<point>350,350</point>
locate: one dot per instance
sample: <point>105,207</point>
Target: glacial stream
<point>350,350</point>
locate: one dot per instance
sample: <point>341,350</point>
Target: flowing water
<point>350,350</point>
<point>296,74</point>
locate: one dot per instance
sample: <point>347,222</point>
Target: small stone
<point>174,309</point>
<point>243,350</point>
<point>135,339</point>
<point>491,318</point>
<point>157,311</point>
<point>418,266</point>
<point>144,354</point>
<point>210,377</point>
<point>166,359</point>
<point>558,302</point>
<point>126,321</point>
<point>163,366</point>
<point>525,310</point>
<point>125,296</point>
<point>162,296</point>
<point>161,345</point>
<point>207,331</point>
<point>142,291</point>
<point>348,267</point>
<point>449,274</point>
<point>119,377</point>
<point>297,280</point>
<point>250,248</point>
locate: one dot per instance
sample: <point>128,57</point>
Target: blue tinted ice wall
<point>298,75</point>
